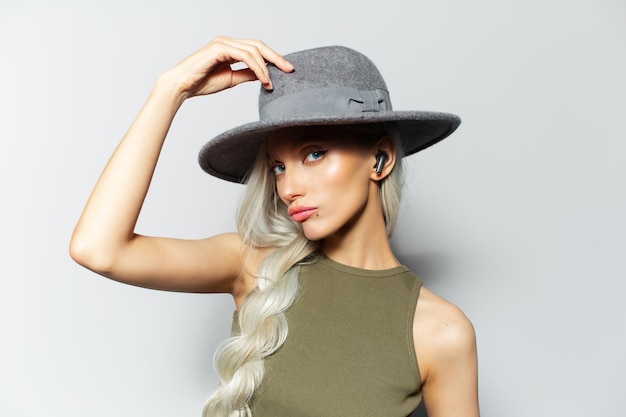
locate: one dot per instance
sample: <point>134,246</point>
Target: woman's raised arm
<point>104,239</point>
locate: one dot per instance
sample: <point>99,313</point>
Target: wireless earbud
<point>381,159</point>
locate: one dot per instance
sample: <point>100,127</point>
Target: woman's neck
<point>363,245</point>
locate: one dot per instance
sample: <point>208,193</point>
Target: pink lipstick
<point>300,214</point>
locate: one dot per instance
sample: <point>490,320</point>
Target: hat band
<point>330,101</point>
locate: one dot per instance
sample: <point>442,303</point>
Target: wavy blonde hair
<point>262,221</point>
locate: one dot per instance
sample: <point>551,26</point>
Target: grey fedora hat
<point>331,85</point>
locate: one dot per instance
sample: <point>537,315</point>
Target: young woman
<point>328,322</point>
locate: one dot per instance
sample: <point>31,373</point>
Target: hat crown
<point>320,68</point>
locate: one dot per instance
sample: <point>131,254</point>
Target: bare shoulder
<point>445,344</point>
<point>441,323</point>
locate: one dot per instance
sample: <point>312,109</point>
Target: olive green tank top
<point>350,349</point>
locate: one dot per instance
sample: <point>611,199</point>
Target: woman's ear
<point>384,157</point>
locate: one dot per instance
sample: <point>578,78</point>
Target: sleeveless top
<point>350,349</point>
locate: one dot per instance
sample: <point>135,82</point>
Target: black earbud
<point>381,159</point>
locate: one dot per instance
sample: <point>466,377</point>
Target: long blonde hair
<point>262,221</point>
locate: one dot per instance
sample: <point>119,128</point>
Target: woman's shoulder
<point>442,333</point>
<point>445,344</point>
<point>434,310</point>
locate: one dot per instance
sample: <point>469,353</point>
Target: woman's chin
<point>313,233</point>
<point>313,237</point>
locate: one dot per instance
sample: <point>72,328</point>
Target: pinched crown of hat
<point>331,85</point>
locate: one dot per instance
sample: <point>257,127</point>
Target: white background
<point>519,217</point>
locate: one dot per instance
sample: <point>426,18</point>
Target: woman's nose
<point>291,186</point>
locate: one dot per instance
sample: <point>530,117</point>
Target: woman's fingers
<point>209,69</point>
<point>255,55</point>
<point>243,75</point>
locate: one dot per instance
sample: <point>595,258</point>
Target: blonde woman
<point>328,322</point>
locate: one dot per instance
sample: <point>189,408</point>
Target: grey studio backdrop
<point>518,218</point>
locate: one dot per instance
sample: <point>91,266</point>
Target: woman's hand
<point>209,69</point>
<point>104,239</point>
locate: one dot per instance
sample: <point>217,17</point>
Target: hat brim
<point>231,155</point>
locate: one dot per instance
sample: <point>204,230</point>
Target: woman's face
<point>324,176</point>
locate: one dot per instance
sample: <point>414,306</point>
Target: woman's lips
<point>300,214</point>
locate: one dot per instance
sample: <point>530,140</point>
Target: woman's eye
<point>315,155</point>
<point>278,169</point>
